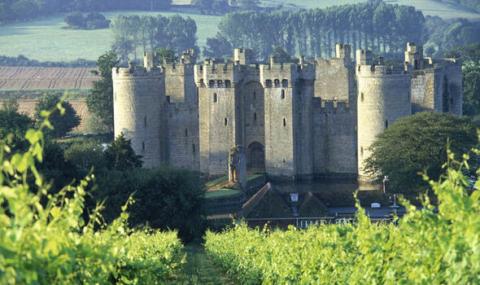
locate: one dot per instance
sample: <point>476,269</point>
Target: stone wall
<point>384,97</point>
<point>334,80</point>
<point>139,113</point>
<point>183,136</point>
<point>335,139</point>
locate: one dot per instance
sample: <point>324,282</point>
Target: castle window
<point>186,132</point>
<point>255,117</point>
<point>168,99</point>
<point>283,94</point>
<point>143,146</point>
<point>386,124</point>
<point>145,121</point>
<point>228,84</point>
<point>226,122</point>
<point>254,95</point>
<point>361,96</point>
<point>215,98</point>
<point>277,83</point>
<point>211,83</point>
<point>268,83</point>
<point>285,83</point>
<point>219,83</point>
<point>202,83</point>
<point>361,151</point>
<point>284,122</point>
<point>193,149</point>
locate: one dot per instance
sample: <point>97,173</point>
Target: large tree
<point>417,144</point>
<point>100,100</point>
<point>121,156</point>
<point>14,125</point>
<point>62,123</point>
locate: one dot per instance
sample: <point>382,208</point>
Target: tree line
<point>20,10</point>
<point>134,34</point>
<point>375,25</point>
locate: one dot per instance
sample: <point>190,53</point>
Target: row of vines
<point>47,238</point>
<point>431,245</point>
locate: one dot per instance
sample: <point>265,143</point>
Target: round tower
<point>138,102</point>
<point>383,97</point>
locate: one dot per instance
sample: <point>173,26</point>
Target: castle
<point>295,118</point>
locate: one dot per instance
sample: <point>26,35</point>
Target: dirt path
<point>200,269</point>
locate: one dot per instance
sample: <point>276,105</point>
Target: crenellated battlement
<point>136,71</point>
<point>381,70</point>
<point>331,106</point>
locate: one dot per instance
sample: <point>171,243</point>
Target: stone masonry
<point>294,118</point>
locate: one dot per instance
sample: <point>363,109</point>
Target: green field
<point>47,40</point>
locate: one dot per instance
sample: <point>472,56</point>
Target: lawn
<point>46,40</point>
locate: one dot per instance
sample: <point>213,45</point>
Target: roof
<point>183,2</point>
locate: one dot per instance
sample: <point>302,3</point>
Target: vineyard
<point>432,245</point>
<point>45,239</point>
<point>45,78</point>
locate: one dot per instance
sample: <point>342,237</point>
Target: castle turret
<point>383,97</point>
<point>414,56</point>
<point>243,56</point>
<point>138,108</point>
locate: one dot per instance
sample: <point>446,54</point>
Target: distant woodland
<point>18,10</point>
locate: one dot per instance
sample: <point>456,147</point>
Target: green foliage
<point>428,245</point>
<point>64,119</point>
<point>121,156</point>
<point>165,55</point>
<point>375,25</point>
<point>89,21</point>
<point>86,155</point>
<point>418,144</point>
<point>132,33</point>
<point>44,238</point>
<point>14,125</point>
<point>166,198</point>
<point>100,100</point>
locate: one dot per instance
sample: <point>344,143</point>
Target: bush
<point>166,198</point>
<point>89,21</point>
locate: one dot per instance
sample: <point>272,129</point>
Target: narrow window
<point>193,149</point>
<point>219,83</point>
<point>254,95</point>
<point>186,132</point>
<point>255,117</point>
<point>386,124</point>
<point>283,94</point>
<point>168,99</point>
<point>361,96</point>
<point>285,83</point>
<point>228,84</point>
<point>361,151</point>
<point>226,122</point>
<point>202,82</point>
<point>284,122</point>
<point>211,83</point>
<point>277,83</point>
<point>268,83</point>
<point>145,121</point>
<point>143,146</point>
<point>215,98</point>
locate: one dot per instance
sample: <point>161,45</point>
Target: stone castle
<point>294,118</point>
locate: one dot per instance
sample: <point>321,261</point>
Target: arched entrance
<point>256,157</point>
